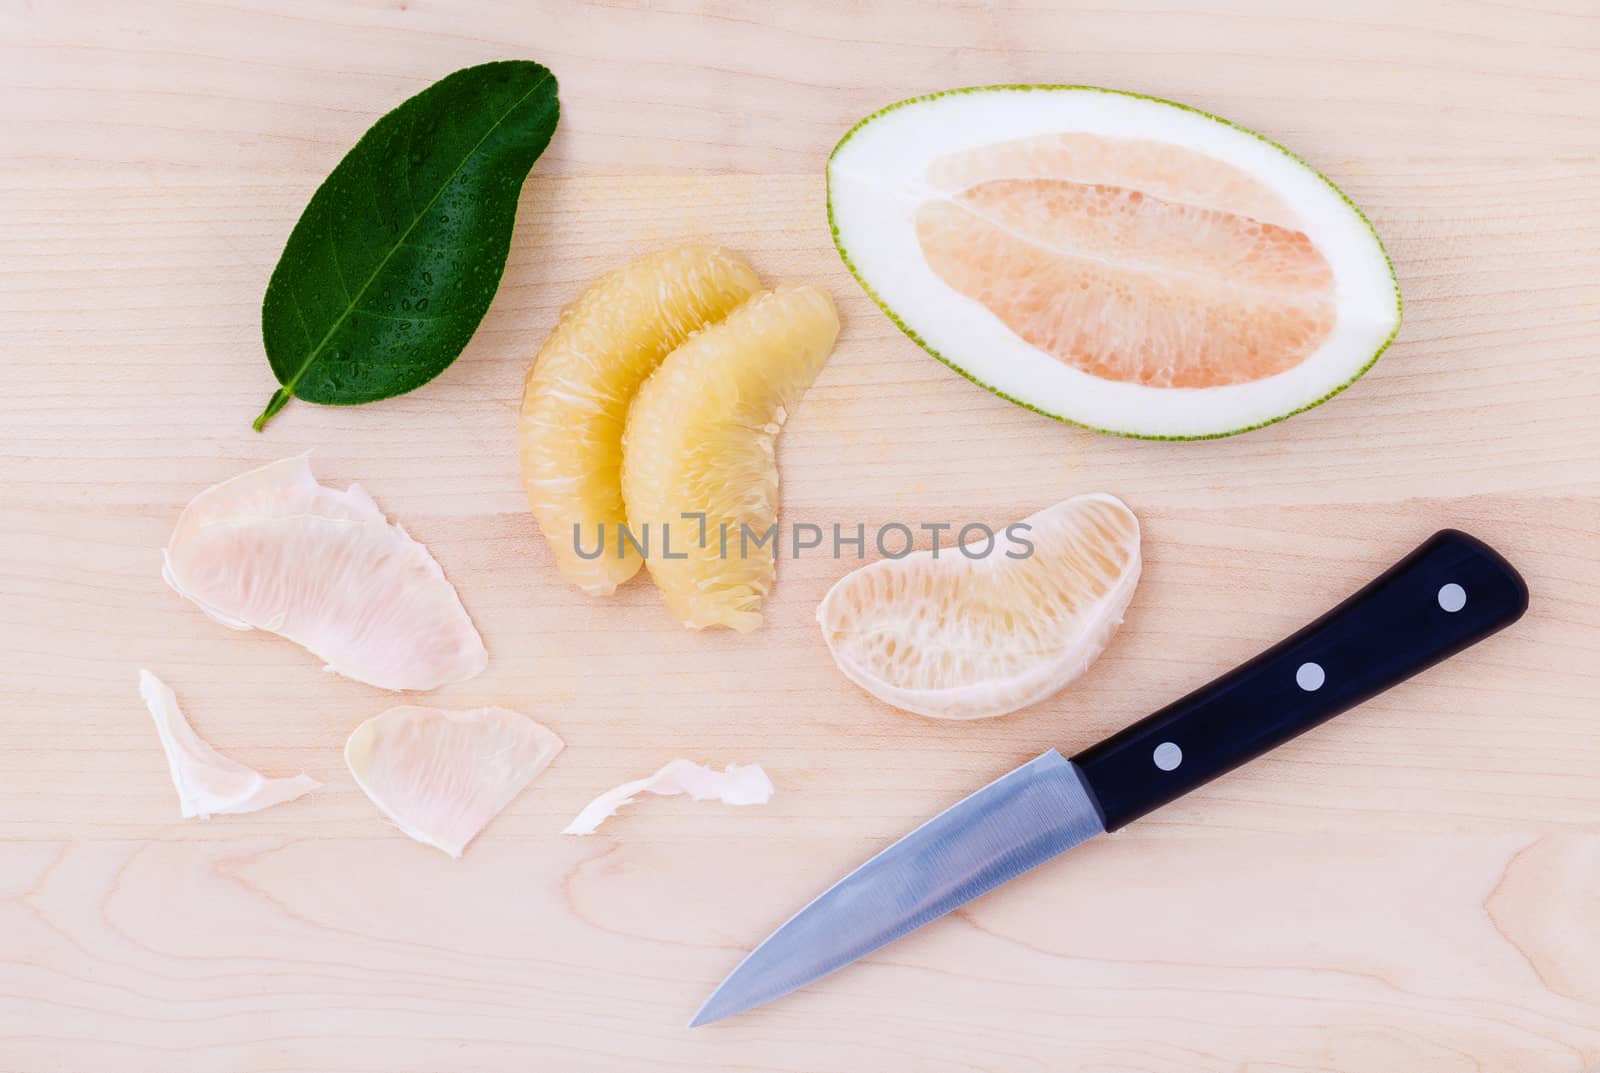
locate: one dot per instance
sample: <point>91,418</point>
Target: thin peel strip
<point>207,782</point>
<point>738,784</point>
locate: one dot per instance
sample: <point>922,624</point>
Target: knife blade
<point>1448,594</point>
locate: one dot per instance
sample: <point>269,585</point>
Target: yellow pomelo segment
<point>1169,172</point>
<point>968,635</point>
<point>1132,261</point>
<point>701,440</point>
<point>575,401</point>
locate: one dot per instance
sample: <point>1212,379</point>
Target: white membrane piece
<point>272,549</point>
<point>739,784</point>
<point>208,783</point>
<point>441,776</point>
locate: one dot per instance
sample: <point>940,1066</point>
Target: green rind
<point>844,255</point>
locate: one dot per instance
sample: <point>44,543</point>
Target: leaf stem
<point>280,399</point>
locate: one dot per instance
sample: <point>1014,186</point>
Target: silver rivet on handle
<point>1309,677</point>
<point>1452,597</point>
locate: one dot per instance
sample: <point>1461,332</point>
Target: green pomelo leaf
<point>395,260</point>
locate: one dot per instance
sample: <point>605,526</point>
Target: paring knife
<point>1450,593</point>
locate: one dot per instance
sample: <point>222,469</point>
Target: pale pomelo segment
<point>575,401</point>
<point>275,550</point>
<point>700,453</point>
<point>440,775</point>
<point>1170,172</point>
<point>998,326</point>
<point>959,637</point>
<point>1127,287</point>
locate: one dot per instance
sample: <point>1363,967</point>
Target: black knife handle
<point>1450,593</point>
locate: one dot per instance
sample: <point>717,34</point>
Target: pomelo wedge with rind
<point>994,626</point>
<point>576,397</point>
<point>1117,261</point>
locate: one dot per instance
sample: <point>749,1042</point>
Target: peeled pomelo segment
<point>440,775</point>
<point>1121,262</point>
<point>738,784</point>
<point>1127,287</point>
<point>1173,173</point>
<point>207,782</point>
<point>992,629</point>
<point>1113,225</point>
<point>575,401</point>
<point>275,550</point>
<point>700,473</point>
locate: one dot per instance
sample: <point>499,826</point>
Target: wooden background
<point>1415,888</point>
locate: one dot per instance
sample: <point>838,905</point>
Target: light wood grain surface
<point>1414,888</point>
